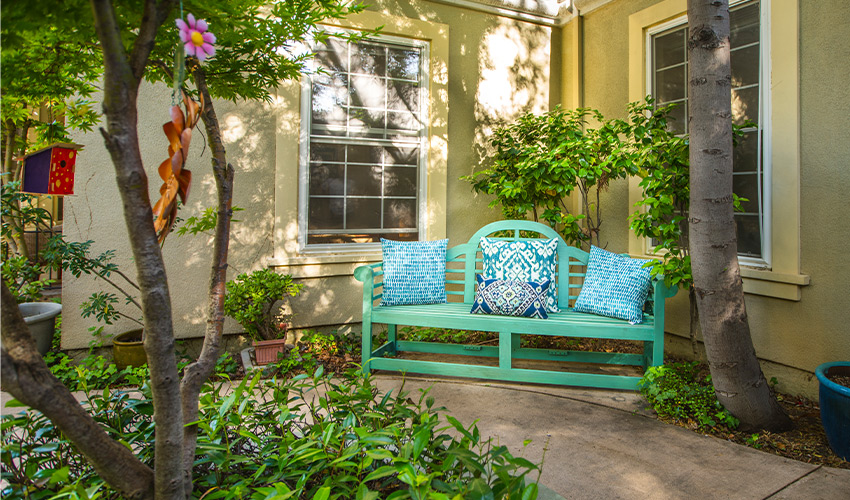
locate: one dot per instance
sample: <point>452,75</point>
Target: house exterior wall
<point>484,69</point>
<point>798,308</point>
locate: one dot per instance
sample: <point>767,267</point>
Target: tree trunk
<point>198,372</point>
<point>25,376</point>
<point>122,75</point>
<point>738,381</point>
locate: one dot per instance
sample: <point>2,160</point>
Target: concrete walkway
<point>601,444</point>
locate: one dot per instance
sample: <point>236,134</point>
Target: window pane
<point>399,213</point>
<point>400,181</point>
<point>670,49</point>
<point>364,154</point>
<point>747,186</point>
<point>744,25</point>
<point>670,84</point>
<point>365,119</point>
<point>678,119</point>
<point>401,156</point>
<point>326,213</point>
<point>368,92</point>
<point>749,235</point>
<point>327,153</point>
<point>363,213</point>
<point>404,64</point>
<point>745,66</point>
<point>333,56</point>
<point>403,96</point>
<point>326,179</point>
<point>363,181</point>
<point>369,59</point>
<point>745,155</point>
<point>402,120</point>
<point>745,105</point>
<point>330,98</point>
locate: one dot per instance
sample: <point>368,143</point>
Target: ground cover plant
<point>307,437</point>
<point>681,394</point>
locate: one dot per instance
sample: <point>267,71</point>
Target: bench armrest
<point>367,273</point>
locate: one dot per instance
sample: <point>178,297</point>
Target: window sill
<point>774,284</point>
<point>323,266</point>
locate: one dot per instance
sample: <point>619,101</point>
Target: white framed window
<point>363,151</point>
<point>667,81</point>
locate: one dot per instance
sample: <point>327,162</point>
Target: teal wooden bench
<point>463,262</point>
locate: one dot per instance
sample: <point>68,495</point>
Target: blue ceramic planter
<point>835,407</point>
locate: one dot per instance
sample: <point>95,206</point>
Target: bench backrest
<point>464,261</point>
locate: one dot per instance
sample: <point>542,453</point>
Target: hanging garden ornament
<point>198,41</point>
<point>176,179</point>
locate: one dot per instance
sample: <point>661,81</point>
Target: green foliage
<point>93,372</point>
<point>663,167</point>
<point>308,437</point>
<point>256,43</point>
<point>539,160</point>
<point>23,277</point>
<point>251,298</point>
<point>20,210</point>
<point>663,164</point>
<point>49,61</point>
<point>203,224</point>
<point>676,391</point>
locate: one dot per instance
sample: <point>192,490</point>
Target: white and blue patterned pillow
<point>414,272</point>
<point>614,286</point>
<point>510,298</point>
<point>525,260</point>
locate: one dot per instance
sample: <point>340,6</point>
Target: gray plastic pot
<point>41,319</point>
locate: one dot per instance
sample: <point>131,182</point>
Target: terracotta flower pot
<point>835,407</point>
<point>128,349</point>
<point>267,351</point>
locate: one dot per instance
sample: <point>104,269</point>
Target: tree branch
<point>196,373</point>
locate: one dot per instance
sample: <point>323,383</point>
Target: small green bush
<point>251,298</point>
<point>675,391</point>
<point>308,437</point>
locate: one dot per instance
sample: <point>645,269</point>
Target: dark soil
<point>839,379</point>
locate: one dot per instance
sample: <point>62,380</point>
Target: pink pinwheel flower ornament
<point>198,41</point>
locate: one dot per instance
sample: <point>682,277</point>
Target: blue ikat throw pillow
<point>510,298</point>
<point>614,286</point>
<point>414,272</point>
<point>524,260</point>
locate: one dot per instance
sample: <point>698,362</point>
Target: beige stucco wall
<point>94,212</point>
<point>496,68</point>
<point>793,337</point>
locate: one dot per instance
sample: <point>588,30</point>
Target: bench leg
<point>391,338</point>
<point>366,345</point>
<point>653,353</point>
<point>506,346</point>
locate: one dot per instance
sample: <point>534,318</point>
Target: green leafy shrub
<point>308,437</point>
<point>539,160</point>
<point>675,391</point>
<point>251,298</point>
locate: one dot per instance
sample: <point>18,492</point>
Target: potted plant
<point>40,317</point>
<point>252,300</point>
<point>834,379</point>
